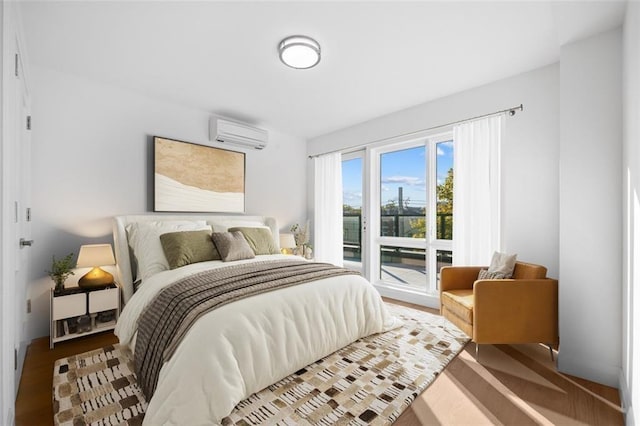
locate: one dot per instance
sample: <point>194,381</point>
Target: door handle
<point>25,243</point>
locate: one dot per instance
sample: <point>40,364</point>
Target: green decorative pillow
<point>232,246</point>
<point>260,239</point>
<point>187,247</point>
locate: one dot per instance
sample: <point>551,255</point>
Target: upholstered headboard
<point>124,259</point>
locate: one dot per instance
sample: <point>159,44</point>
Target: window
<point>404,191</point>
<point>352,218</point>
<point>443,214</point>
<point>444,190</point>
<point>413,195</point>
<point>403,265</point>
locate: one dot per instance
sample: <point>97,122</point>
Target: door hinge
<point>28,122</point>
<point>16,70</point>
<point>15,359</point>
<point>28,214</point>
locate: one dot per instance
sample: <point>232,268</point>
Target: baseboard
<point>596,372</point>
<point>11,417</point>
<point>625,399</point>
<point>409,296</point>
<point>628,417</point>
<point>22,353</point>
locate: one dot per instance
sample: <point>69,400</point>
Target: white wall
<point>92,159</point>
<point>530,156</point>
<point>630,378</point>
<point>590,208</point>
<point>6,341</point>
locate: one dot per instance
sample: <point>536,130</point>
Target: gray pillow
<point>260,239</point>
<point>232,246</point>
<point>503,263</point>
<point>187,247</point>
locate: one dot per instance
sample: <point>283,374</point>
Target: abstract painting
<point>197,178</point>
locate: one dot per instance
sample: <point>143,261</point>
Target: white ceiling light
<point>299,52</point>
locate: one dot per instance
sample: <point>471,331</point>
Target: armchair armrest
<point>515,311</point>
<point>458,277</point>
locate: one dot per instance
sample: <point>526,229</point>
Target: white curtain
<point>476,191</point>
<point>327,232</point>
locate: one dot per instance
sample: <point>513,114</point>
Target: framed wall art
<point>197,178</point>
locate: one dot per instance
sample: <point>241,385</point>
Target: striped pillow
<point>486,275</point>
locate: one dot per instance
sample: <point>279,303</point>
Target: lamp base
<point>95,278</point>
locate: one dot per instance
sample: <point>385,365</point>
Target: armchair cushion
<point>460,303</point>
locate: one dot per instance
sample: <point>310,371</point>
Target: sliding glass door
<point>441,212</point>
<point>411,213</point>
<point>398,212</point>
<point>401,201</point>
<point>353,219</point>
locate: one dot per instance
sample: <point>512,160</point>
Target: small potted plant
<point>60,271</point>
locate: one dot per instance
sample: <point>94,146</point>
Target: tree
<point>445,194</point>
<point>347,209</point>
<point>445,207</point>
<point>390,208</point>
<point>418,227</point>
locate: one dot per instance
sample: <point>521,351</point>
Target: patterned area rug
<point>371,381</point>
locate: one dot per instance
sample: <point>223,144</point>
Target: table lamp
<point>287,242</point>
<point>94,256</point>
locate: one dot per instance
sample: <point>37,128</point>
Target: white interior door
<point>16,226</point>
<point>23,218</point>
<point>15,172</point>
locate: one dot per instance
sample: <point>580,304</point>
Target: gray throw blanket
<point>169,316</point>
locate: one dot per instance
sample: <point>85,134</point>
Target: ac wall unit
<point>235,133</point>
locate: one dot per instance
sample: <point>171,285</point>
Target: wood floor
<point>34,402</point>
<point>510,385</point>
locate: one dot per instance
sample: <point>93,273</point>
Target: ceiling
<point>377,57</point>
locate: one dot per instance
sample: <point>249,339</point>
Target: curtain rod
<point>511,111</point>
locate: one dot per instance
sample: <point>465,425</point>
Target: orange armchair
<point>523,309</point>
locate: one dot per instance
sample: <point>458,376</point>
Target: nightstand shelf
<point>75,312</point>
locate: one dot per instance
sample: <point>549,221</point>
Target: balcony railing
<point>396,225</point>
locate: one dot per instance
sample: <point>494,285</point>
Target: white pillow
<point>144,240</point>
<point>503,263</point>
<point>223,226</point>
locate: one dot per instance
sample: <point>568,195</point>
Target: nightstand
<point>75,312</point>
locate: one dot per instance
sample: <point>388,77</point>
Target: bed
<point>242,346</point>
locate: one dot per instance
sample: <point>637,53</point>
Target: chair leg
<point>477,352</point>
<point>551,351</point>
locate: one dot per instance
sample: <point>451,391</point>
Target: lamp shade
<point>287,241</point>
<point>95,255</point>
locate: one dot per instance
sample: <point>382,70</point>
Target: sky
<point>406,168</point>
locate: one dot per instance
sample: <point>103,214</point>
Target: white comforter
<point>241,348</point>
